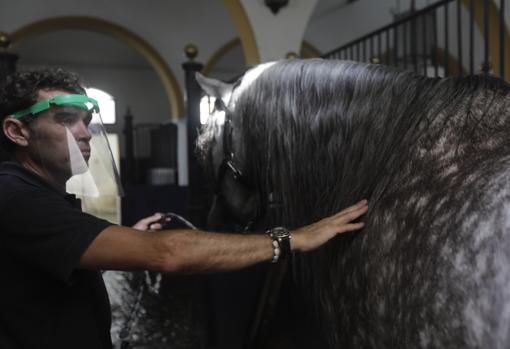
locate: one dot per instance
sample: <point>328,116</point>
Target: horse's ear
<point>215,88</point>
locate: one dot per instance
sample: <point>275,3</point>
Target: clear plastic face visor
<point>71,144</point>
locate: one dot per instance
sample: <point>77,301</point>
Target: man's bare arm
<point>194,251</point>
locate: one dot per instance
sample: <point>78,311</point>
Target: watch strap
<point>280,237</point>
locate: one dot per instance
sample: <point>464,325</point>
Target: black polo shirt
<point>45,300</point>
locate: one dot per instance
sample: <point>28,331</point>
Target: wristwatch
<point>281,243</point>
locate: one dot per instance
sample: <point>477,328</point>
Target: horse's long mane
<point>333,132</point>
<point>330,133</point>
<point>319,135</point>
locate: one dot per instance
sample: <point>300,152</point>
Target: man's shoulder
<point>14,179</point>
<point>16,191</point>
<point>11,184</point>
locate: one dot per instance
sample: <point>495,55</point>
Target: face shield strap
<point>73,100</point>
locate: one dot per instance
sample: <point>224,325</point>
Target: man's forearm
<point>192,251</point>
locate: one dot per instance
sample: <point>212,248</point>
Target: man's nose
<point>81,131</point>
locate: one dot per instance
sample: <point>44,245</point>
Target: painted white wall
<point>277,35</point>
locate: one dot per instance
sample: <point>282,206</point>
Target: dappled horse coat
<point>431,268</point>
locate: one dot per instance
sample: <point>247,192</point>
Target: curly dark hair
<point>21,89</point>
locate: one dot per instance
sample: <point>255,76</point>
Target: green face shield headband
<point>71,100</point>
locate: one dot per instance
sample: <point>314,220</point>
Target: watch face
<point>280,232</point>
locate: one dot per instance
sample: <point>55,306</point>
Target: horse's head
<point>237,202</point>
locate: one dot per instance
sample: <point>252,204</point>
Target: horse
<point>303,139</point>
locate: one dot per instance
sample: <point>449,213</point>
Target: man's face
<point>58,136</point>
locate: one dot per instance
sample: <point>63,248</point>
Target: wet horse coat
<point>431,268</point>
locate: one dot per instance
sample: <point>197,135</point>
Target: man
<point>53,295</point>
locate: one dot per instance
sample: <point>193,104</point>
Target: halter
<point>228,165</point>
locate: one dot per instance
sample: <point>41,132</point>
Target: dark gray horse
<point>431,268</point>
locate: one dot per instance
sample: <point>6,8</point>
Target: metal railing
<point>450,37</point>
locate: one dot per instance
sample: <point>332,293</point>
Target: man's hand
<point>154,222</point>
<point>313,235</point>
